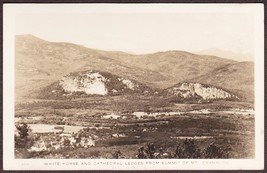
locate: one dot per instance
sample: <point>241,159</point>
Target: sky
<point>144,32</point>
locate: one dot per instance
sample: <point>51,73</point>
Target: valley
<point>98,127</point>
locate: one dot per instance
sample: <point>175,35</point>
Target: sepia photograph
<point>133,87</point>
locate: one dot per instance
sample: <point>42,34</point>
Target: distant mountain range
<point>226,54</point>
<point>40,64</point>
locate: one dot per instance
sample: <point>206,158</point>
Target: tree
<point>23,130</point>
<point>117,154</point>
<point>141,153</point>
<point>151,150</point>
<point>178,151</point>
<point>22,141</point>
<point>214,151</point>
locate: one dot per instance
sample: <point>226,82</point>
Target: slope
<point>238,78</point>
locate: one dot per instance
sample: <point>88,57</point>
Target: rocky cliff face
<point>93,83</point>
<point>191,90</point>
<point>86,83</point>
<point>89,83</point>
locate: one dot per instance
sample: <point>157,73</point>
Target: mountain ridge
<point>41,63</point>
<point>240,57</point>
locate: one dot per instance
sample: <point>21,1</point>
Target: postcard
<point>133,86</point>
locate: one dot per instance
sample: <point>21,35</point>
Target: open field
<point>118,126</point>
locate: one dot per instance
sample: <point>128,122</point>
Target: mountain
<point>237,78</point>
<point>197,91</point>
<point>39,63</point>
<point>226,54</point>
<point>89,83</point>
<point>177,66</point>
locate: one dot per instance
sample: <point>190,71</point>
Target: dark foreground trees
<point>187,149</point>
<point>23,141</point>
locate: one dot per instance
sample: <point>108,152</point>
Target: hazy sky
<point>144,32</point>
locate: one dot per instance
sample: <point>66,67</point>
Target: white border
<point>10,163</point>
